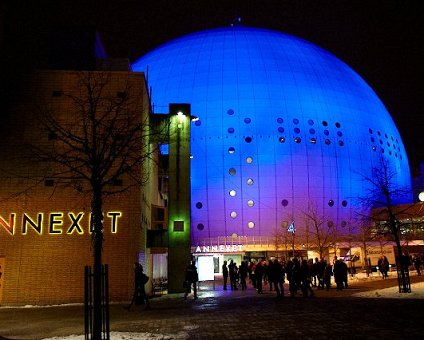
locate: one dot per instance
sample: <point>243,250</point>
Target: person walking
<point>243,269</point>
<point>139,295</point>
<point>191,279</point>
<point>338,274</point>
<point>225,274</point>
<point>328,273</point>
<point>259,273</point>
<point>306,278</point>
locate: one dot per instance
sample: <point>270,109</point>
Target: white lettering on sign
<point>219,248</point>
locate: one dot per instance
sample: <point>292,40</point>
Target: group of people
<point>300,274</point>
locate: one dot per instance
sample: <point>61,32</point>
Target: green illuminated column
<point>179,196</point>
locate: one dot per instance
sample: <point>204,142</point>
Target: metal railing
<point>89,306</point>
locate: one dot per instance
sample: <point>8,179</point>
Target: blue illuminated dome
<point>283,124</point>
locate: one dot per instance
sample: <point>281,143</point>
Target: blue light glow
<point>282,123</point>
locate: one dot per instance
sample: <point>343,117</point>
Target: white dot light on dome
<point>283,122</point>
<point>421,196</point>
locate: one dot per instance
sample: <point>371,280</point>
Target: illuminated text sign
<point>57,223</point>
<point>219,248</point>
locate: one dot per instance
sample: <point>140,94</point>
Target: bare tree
<point>320,228</point>
<point>382,193</point>
<point>98,147</point>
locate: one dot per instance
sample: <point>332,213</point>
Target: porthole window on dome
<point>344,203</point>
<point>372,140</point>
<point>281,139</point>
<point>234,235</point>
<point>280,129</point>
<point>280,120</point>
<point>382,150</point>
<point>310,122</point>
<point>370,131</point>
<point>199,205</point>
<point>249,160</point>
<point>250,203</point>
<point>284,203</point>
<point>248,139</point>
<point>232,193</point>
<point>374,148</point>
<point>231,150</point>
<point>338,125</point>
<point>233,214</point>
<point>296,130</point>
<point>249,181</point>
<point>312,131</point>
<point>295,121</point>
<point>230,112</point>
<point>330,203</point>
<point>385,135</point>
<point>297,140</point>
<point>324,123</point>
<point>251,224</point>
<point>343,224</point>
<point>327,141</point>
<point>313,140</point>
<point>379,133</point>
<point>326,132</point>
<point>232,171</point>
<point>247,120</point>
<point>381,142</point>
<point>341,143</point>
<point>200,226</point>
<point>198,122</point>
<point>339,133</point>
<point>230,130</point>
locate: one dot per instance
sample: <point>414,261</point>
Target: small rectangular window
<point>121,94</point>
<point>48,182</point>
<point>178,225</point>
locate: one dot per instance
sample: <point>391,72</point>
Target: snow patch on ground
<point>393,293</point>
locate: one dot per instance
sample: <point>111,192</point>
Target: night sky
<point>379,39</point>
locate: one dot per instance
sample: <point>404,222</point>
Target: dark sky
<point>379,39</point>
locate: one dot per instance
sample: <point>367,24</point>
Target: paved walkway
<point>222,314</point>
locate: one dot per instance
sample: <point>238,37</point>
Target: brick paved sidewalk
<point>239,315</point>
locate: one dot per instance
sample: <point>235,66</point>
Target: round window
<point>284,203</point>
<point>233,193</point>
<point>232,171</point>
<point>200,226</point>
<point>233,214</point>
<point>231,150</point>
<point>249,181</point>
<point>230,112</point>
<point>250,203</point>
<point>247,120</point>
<point>249,160</point>
<point>199,205</point>
<point>248,139</point>
<point>251,224</point>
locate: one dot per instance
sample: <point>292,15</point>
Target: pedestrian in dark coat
<point>328,273</point>
<point>243,275</point>
<point>191,279</point>
<point>277,277</point>
<point>338,274</point>
<point>306,278</point>
<point>259,273</point>
<point>139,295</point>
<point>225,274</point>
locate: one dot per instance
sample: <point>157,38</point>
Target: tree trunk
<point>97,219</point>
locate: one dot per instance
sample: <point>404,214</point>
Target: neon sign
<point>219,248</point>
<point>57,223</point>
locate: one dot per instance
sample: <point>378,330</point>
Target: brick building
<point>45,238</point>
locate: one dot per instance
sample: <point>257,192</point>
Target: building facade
<point>45,235</point>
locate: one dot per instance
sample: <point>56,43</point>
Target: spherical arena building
<point>283,126</point>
